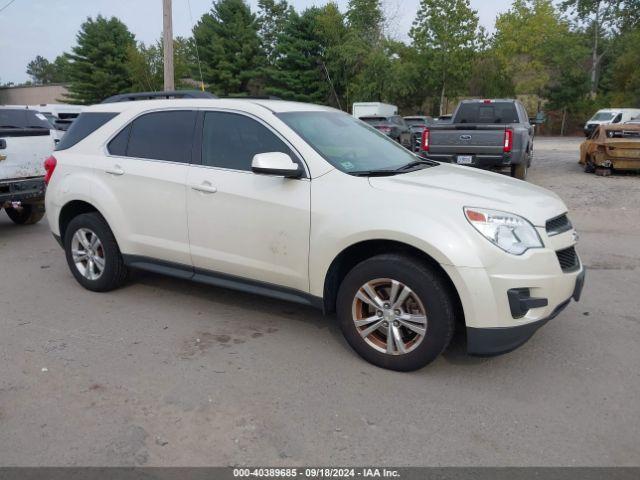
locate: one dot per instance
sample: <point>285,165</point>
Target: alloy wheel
<point>88,254</point>
<point>389,316</point>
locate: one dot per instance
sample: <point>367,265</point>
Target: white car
<point>308,204</point>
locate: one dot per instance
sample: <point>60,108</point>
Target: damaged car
<point>611,147</point>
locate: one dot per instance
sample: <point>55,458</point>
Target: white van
<point>607,116</point>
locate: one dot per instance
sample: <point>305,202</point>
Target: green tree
<point>297,73</point>
<point>230,48</point>
<point>146,65</point>
<point>40,70</point>
<point>365,19</point>
<point>60,69</point>
<point>524,39</point>
<point>272,17</point>
<point>625,74</point>
<point>98,65</point>
<point>445,32</point>
<point>332,31</point>
<point>603,17</point>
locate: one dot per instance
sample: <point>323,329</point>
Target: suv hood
<point>471,187</point>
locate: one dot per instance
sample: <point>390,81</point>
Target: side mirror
<point>275,163</point>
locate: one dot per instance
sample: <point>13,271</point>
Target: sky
<point>48,28</point>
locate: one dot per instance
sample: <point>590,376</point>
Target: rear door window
<point>83,126</point>
<point>160,136</point>
<point>230,140</point>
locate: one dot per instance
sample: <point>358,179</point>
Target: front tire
<point>395,312</point>
<point>25,214</point>
<point>93,254</point>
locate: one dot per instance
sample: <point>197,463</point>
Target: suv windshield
<point>22,118</point>
<point>489,113</point>
<point>603,116</point>
<point>347,143</point>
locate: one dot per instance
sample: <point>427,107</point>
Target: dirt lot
<point>164,372</point>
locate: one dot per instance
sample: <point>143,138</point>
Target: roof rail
<point>174,94</point>
<point>253,97</point>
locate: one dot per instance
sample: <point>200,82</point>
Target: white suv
<point>305,203</point>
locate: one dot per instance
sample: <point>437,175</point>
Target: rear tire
<point>93,254</point>
<point>428,307</point>
<point>25,214</point>
<point>520,170</point>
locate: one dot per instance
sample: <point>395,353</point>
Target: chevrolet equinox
<point>307,204</point>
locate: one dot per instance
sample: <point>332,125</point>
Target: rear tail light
<point>384,129</point>
<point>425,140</point>
<point>49,166</point>
<point>508,140</point>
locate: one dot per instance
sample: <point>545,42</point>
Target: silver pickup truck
<point>490,134</point>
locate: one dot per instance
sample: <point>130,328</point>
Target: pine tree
<point>298,72</point>
<point>229,47</point>
<point>98,67</point>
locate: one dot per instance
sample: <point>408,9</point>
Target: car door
<point>145,173</point>
<point>243,224</point>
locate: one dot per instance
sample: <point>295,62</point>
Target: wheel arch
<point>363,250</point>
<point>71,210</point>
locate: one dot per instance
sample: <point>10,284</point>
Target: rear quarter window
<point>83,126</point>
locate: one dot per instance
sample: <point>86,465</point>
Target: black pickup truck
<point>491,134</point>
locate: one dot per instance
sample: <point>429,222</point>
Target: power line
<point>196,45</point>
<point>1,9</point>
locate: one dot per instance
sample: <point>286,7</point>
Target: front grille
<point>558,225</point>
<point>568,259</point>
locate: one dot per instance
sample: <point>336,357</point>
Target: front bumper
<point>494,341</point>
<point>28,190</point>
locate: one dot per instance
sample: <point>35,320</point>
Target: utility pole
<point>167,35</point>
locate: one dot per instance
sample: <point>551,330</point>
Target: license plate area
<point>464,159</point>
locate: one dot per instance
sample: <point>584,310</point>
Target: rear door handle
<point>117,170</point>
<point>205,187</point>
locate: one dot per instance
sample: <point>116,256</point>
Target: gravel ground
<point>165,372</point>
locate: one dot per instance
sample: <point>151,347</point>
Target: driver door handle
<point>204,187</point>
<point>116,170</point>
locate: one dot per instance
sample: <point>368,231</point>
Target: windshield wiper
<point>375,173</point>
<point>415,163</point>
<point>8,126</point>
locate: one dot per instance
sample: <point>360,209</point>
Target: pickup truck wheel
<point>25,215</point>
<point>519,171</point>
<point>395,312</point>
<point>93,254</point>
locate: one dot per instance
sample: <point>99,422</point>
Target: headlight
<point>510,232</point>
